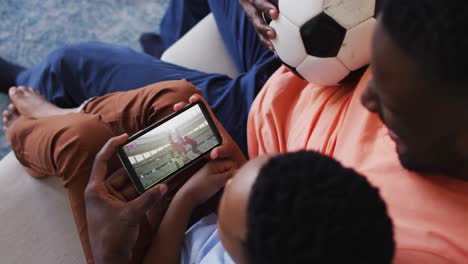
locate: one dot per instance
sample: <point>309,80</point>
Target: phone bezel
<point>128,166</point>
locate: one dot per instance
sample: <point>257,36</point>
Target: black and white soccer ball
<point>324,41</point>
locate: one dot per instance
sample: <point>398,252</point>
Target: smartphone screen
<point>169,146</point>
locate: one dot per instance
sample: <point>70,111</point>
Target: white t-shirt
<point>202,244</point>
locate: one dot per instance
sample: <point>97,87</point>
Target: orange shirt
<point>430,213</point>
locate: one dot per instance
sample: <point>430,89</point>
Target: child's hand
<point>229,149</point>
<point>206,182</point>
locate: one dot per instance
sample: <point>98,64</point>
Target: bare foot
<point>10,116</point>
<point>30,103</point>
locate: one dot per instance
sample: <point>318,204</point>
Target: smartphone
<point>166,148</point>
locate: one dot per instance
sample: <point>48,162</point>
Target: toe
<point>16,92</point>
<point>12,91</point>
<point>21,90</point>
<point>34,91</point>
<point>13,110</point>
<point>11,107</point>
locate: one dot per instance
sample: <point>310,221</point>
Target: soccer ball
<point>323,41</point>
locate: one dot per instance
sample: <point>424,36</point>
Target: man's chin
<point>406,159</point>
<point>406,162</point>
<point>412,164</point>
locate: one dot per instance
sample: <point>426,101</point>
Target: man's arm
<point>167,245</point>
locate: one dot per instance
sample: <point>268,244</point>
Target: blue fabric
<point>180,17</point>
<point>202,244</point>
<point>74,73</point>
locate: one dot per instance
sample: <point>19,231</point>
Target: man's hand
<point>113,224</point>
<point>229,149</point>
<point>206,182</point>
<point>254,9</point>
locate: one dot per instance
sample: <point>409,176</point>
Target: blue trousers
<point>74,73</point>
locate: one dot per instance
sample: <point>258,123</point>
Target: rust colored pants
<point>65,146</point>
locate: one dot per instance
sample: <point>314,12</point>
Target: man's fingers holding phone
<point>103,203</point>
<point>99,171</point>
<point>119,179</point>
<point>121,183</point>
<point>100,178</point>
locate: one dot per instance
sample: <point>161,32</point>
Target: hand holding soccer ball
<point>322,41</point>
<point>254,10</point>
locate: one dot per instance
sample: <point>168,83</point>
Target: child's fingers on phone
<point>228,165</point>
<point>220,152</point>
<point>224,151</point>
<point>195,98</point>
<point>221,165</point>
<point>179,106</point>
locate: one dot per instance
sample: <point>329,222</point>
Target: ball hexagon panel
<point>322,36</point>
<point>356,49</point>
<point>300,11</point>
<point>288,42</point>
<point>323,71</point>
<point>293,70</point>
<point>350,13</point>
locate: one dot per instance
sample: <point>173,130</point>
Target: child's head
<point>303,208</point>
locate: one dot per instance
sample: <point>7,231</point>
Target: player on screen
<point>178,149</point>
<point>194,144</point>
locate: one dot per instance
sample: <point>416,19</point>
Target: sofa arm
<point>193,51</point>
<point>37,222</point>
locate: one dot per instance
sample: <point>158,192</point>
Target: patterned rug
<point>30,29</point>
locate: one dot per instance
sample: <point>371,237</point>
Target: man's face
<point>424,126</point>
